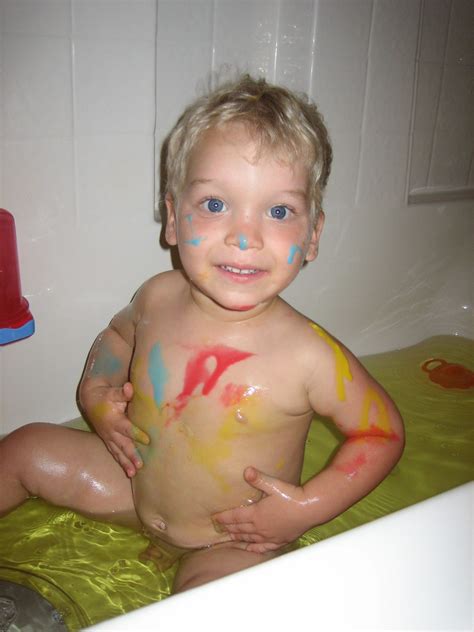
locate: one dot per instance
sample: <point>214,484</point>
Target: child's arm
<point>104,391</point>
<point>340,388</point>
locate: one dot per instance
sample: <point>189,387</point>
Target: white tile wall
<point>443,142</point>
<point>77,114</point>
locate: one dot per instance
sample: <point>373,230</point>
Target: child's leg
<point>204,565</point>
<point>66,467</point>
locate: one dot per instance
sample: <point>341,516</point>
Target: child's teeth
<point>239,271</point>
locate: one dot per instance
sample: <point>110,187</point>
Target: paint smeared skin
<point>351,468</point>
<point>293,250</point>
<point>210,454</point>
<point>233,393</point>
<point>243,242</point>
<point>381,427</point>
<point>104,362</point>
<point>157,373</point>
<point>145,408</point>
<point>197,373</point>
<point>343,371</point>
<point>202,373</point>
<point>195,240</point>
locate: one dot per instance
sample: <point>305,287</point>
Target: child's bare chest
<point>231,387</point>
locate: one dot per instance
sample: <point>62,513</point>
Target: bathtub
<point>410,570</point>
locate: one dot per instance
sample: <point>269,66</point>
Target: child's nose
<point>245,234</point>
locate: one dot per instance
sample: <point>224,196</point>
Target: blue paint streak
<point>157,373</point>
<point>194,241</point>
<point>243,243</point>
<point>106,363</point>
<point>293,250</point>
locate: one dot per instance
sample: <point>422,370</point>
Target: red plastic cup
<point>16,321</point>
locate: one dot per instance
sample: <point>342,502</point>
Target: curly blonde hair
<point>283,122</point>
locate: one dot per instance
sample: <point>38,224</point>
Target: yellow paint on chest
<point>241,419</point>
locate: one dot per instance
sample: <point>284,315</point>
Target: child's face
<point>242,225</point>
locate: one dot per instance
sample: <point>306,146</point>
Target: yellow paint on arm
<point>373,399</point>
<point>343,371</point>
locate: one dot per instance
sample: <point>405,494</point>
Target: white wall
<point>77,93</point>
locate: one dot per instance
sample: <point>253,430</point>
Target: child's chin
<point>243,308</point>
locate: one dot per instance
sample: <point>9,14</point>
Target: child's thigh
<point>70,468</point>
<point>204,565</point>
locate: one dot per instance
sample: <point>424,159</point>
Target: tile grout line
<point>364,108</point>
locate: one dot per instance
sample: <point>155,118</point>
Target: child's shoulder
<point>159,286</point>
<point>313,343</point>
<point>160,290</point>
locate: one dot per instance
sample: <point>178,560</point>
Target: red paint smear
<point>244,308</point>
<point>197,373</point>
<point>354,465</point>
<point>233,394</point>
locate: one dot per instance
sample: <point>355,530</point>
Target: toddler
<point>213,375</point>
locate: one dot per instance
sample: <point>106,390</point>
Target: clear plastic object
<point>16,321</point>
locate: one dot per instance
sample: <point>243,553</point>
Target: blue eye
<point>214,205</point>
<point>279,212</point>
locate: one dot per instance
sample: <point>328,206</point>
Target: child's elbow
<point>398,443</point>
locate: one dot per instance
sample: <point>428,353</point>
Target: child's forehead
<point>244,141</point>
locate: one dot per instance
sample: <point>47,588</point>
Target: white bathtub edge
<point>411,570</point>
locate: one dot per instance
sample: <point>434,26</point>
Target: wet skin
<point>224,380</point>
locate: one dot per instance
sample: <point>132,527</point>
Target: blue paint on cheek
<point>194,241</point>
<point>105,363</point>
<point>157,373</point>
<point>293,250</point>
<point>243,243</point>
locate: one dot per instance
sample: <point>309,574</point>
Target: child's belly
<point>199,449</point>
<point>187,478</point>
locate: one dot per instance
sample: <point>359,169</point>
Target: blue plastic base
<point>12,334</point>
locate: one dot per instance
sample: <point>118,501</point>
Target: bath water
<point>91,571</point>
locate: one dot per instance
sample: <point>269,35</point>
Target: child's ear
<point>170,230</point>
<point>313,247</point>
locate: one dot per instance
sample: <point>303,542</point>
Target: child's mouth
<point>236,274</point>
<point>241,271</point>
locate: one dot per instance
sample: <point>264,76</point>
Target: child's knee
<point>20,448</point>
<point>205,565</point>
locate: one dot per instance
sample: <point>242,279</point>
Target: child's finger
<point>138,435</point>
<point>115,394</point>
<point>121,458</point>
<point>131,453</point>
<point>127,390</point>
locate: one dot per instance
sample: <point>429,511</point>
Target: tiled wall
<point>77,91</point>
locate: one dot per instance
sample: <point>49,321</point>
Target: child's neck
<point>217,312</point>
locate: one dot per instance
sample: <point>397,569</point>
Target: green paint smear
<point>91,571</point>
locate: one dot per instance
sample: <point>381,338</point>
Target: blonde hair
<point>286,123</point>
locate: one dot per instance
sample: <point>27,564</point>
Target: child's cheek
<point>295,255</point>
<point>190,231</point>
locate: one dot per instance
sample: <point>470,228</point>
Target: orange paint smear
<point>374,432</point>
<point>233,394</point>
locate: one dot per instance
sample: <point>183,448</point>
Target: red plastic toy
<point>447,374</point>
<point>16,321</point>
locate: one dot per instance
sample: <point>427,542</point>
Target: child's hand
<point>279,518</point>
<point>106,409</point>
